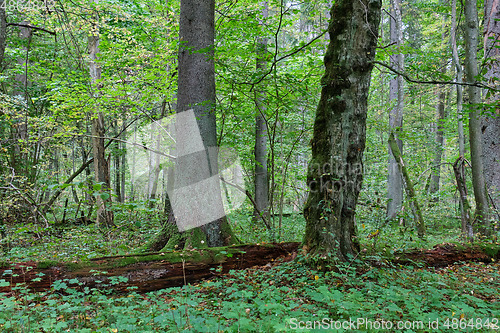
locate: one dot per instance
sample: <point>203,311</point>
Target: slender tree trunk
<point>466,218</point>
<point>396,94</point>
<point>491,122</point>
<point>101,165</point>
<point>459,78</point>
<point>3,31</point>
<point>410,191</point>
<point>459,166</point>
<point>155,174</point>
<point>123,164</point>
<point>476,144</point>
<point>439,135</point>
<point>439,141</point>
<point>335,172</point>
<point>260,152</point>
<point>117,164</point>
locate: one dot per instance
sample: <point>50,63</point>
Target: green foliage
<point>275,300</point>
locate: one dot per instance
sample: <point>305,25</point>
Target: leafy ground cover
<point>276,297</point>
<point>273,299</point>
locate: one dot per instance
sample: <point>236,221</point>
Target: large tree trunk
<point>476,143</point>
<point>101,165</point>
<point>491,123</point>
<point>335,172</point>
<point>261,179</point>
<point>396,95</point>
<point>196,170</point>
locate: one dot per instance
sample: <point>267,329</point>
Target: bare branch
<point>31,27</point>
<point>409,79</point>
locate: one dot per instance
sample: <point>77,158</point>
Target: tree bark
<point>196,91</point>
<point>466,218</point>
<point>491,122</point>
<point>260,152</point>
<point>101,165</point>
<point>396,95</point>
<point>481,214</point>
<point>459,78</point>
<point>3,31</point>
<point>335,172</point>
<point>439,141</point>
<point>410,191</point>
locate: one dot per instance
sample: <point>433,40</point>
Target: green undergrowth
<point>278,299</point>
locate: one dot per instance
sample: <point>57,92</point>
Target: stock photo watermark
<point>22,5</point>
<point>363,324</point>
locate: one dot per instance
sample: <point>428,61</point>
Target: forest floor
<point>448,287</point>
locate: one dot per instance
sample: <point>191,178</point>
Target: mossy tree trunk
<point>335,172</point>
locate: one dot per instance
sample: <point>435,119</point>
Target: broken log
<point>155,271</point>
<point>146,272</point>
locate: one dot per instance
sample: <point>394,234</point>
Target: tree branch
<point>409,79</point>
<point>31,27</point>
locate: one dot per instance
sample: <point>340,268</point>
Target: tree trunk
<point>491,122</point>
<point>439,134</point>
<point>459,170</point>
<point>439,141</point>
<point>101,165</point>
<point>261,179</point>
<point>335,172</point>
<point>458,68</point>
<point>396,93</point>
<point>197,199</point>
<point>476,143</point>
<point>410,191</point>
<point>3,31</point>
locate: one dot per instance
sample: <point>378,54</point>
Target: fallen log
<point>145,272</point>
<point>447,254</point>
<point>155,271</point>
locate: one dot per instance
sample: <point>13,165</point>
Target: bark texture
<point>396,94</point>
<point>101,165</point>
<point>459,78</point>
<point>196,91</point>
<point>476,143</point>
<point>410,191</point>
<point>491,122</point>
<point>260,153</point>
<point>335,172</point>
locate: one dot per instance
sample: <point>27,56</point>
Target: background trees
<point>47,99</point>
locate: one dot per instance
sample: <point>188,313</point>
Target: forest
<point>249,166</point>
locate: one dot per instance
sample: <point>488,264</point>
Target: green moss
<point>47,264</point>
<point>490,249</point>
<point>74,266</point>
<point>196,239</point>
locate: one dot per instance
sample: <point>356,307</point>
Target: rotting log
<point>447,254</point>
<point>155,271</point>
<point>147,272</point>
